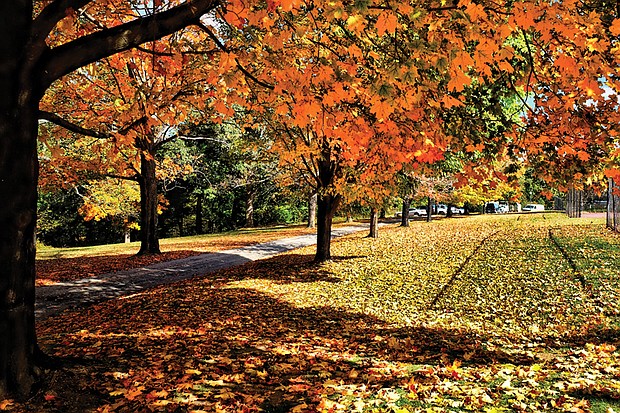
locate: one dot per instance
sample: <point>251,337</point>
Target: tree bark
<point>27,68</point>
<point>374,223</point>
<point>326,207</point>
<point>312,200</point>
<point>429,209</point>
<point>149,242</point>
<point>19,99</point>
<point>404,221</point>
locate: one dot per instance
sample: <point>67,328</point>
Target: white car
<point>413,212</point>
<point>533,207</point>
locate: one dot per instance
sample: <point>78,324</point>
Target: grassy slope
<point>482,314</point>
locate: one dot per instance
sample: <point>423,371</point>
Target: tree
<point>29,67</point>
<point>138,101</point>
<point>570,92</point>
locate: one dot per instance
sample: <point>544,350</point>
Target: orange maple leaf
<point>386,22</point>
<point>382,109</point>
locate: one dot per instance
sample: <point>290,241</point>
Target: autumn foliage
<point>423,318</point>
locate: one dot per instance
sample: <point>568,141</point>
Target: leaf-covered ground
<point>483,314</point>
<point>68,264</point>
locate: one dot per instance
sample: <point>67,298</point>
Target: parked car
<point>418,212</point>
<point>458,210</point>
<point>496,208</point>
<point>533,207</point>
<point>413,212</point>
<point>441,209</point>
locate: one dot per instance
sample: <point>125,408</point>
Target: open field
<point>483,314</point>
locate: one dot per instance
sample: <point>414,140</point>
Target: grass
<point>201,242</point>
<point>511,313</point>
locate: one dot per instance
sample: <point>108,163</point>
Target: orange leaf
<point>382,109</point>
<point>615,27</point>
<point>386,22</point>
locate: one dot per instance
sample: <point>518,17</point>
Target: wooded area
<point>361,103</point>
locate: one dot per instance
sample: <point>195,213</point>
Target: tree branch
<point>239,65</point>
<point>62,60</point>
<point>70,126</point>
<point>51,15</point>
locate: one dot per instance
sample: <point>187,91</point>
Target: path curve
<point>55,298</point>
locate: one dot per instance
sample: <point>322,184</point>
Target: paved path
<point>55,298</point>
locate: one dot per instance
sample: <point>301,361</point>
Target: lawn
<point>480,314</point>
<point>67,264</point>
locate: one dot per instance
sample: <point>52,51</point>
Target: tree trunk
<point>374,223</point>
<point>312,200</point>
<point>404,221</point>
<point>611,207</point>
<point>449,212</point>
<point>326,207</point>
<point>149,242</point>
<point>199,213</point>
<point>18,191</point>
<point>181,227</point>
<point>27,68</point>
<point>429,209</point>
<point>249,206</point>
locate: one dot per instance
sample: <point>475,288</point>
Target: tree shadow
<point>207,341</point>
<point>257,350</point>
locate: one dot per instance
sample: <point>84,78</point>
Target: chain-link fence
<point>613,206</point>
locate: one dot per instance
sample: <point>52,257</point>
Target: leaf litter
<point>480,314</point>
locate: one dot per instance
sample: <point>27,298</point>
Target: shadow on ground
<point>195,344</point>
<point>198,345</point>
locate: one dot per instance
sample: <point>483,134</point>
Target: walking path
<point>55,298</point>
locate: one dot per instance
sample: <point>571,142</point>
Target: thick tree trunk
<point>199,214</point>
<point>27,68</point>
<point>404,221</point>
<point>249,206</point>
<point>374,223</point>
<point>312,200</point>
<point>149,242</point>
<point>18,191</point>
<point>449,212</point>
<point>326,207</point>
